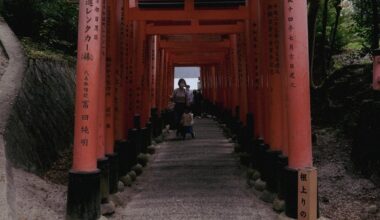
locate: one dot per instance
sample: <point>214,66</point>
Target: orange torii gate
<point>254,74</point>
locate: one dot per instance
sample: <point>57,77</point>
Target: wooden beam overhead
<point>194,29</point>
<point>194,45</point>
<point>136,14</point>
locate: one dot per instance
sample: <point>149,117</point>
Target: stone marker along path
<point>194,179</point>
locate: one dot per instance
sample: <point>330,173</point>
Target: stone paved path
<point>195,179</point>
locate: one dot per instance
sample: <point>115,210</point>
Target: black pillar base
<point>139,140</point>
<point>137,121</point>
<point>154,121</point>
<point>114,172</point>
<point>83,196</point>
<point>255,153</point>
<point>160,126</point>
<point>291,192</point>
<point>282,162</point>
<point>122,152</point>
<point>271,169</point>
<point>262,148</point>
<point>104,167</point>
<point>149,126</point>
<point>133,149</point>
<point>144,140</point>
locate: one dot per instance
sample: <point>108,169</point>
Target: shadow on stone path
<point>194,179</point>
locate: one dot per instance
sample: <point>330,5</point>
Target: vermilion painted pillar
<point>202,76</point>
<point>284,83</point>
<point>146,84</point>
<point>138,67</point>
<point>128,59</point>
<point>217,86</point>
<point>242,70</point>
<point>203,81</point>
<point>103,162</point>
<point>275,71</point>
<point>235,75</point>
<point>264,64</point>
<point>214,84</point>
<point>120,126</point>
<point>158,77</point>
<point>83,201</point>
<point>258,77</point>
<point>140,105</point>
<point>298,84</point>
<point>206,83</point>
<point>229,77</point>
<point>225,91</point>
<point>209,83</point>
<point>121,91</point>
<point>112,67</point>
<point>153,70</point>
<point>170,84</point>
<point>255,65</point>
<point>220,87</point>
<point>164,80</point>
<point>161,80</point>
<point>376,70</point>
<point>155,125</point>
<point>298,97</point>
<point>250,62</point>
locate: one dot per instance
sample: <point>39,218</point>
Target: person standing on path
<point>187,122</point>
<point>190,96</point>
<point>180,99</point>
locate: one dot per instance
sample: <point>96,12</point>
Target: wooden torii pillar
<point>242,72</point>
<point>273,95</point>
<point>119,74</point>
<point>234,77</point>
<point>254,54</point>
<point>302,201</point>
<point>83,197</point>
<point>103,162</point>
<point>112,70</point>
<point>129,78</point>
<point>376,70</point>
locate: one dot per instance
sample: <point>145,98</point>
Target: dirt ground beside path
<point>36,198</point>
<point>343,193</point>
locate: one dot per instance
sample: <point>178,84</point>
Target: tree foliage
<point>342,27</point>
<point>51,23</point>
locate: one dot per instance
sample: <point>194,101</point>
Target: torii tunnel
<point>253,57</point>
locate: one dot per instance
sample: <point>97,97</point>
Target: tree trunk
<point>334,30</point>
<point>376,20</point>
<point>313,15</point>
<point>324,36</point>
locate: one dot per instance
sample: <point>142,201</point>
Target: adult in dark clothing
<point>198,99</point>
<point>180,100</point>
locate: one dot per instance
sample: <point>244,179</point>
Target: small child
<point>187,121</point>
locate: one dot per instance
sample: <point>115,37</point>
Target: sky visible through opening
<point>190,74</point>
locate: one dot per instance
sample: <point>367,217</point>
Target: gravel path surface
<point>194,179</point>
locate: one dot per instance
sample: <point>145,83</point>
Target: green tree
<point>367,17</point>
<point>52,23</point>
